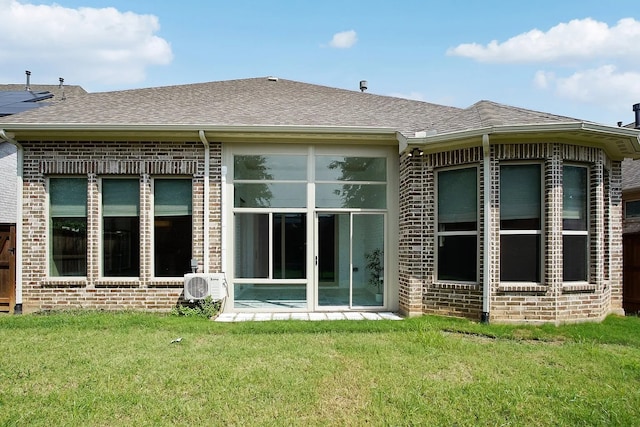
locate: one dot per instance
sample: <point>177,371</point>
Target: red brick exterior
<point>142,160</point>
<point>549,301</point>
<point>418,290</point>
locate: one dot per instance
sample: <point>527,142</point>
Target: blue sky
<point>579,58</point>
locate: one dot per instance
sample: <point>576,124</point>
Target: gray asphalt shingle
<point>261,101</point>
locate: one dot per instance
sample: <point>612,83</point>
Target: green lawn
<point>122,369</point>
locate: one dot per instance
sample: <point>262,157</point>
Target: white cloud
<point>82,45</point>
<point>605,86</point>
<point>344,39</point>
<point>577,40</point>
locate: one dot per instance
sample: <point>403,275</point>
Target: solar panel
<point>13,102</point>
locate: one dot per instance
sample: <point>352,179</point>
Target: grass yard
<point>105,369</point>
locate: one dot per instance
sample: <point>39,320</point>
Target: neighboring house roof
<point>630,175</point>
<point>13,102</point>
<point>60,93</point>
<point>14,98</point>
<point>273,104</point>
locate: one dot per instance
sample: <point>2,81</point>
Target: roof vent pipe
<point>28,86</point>
<point>636,109</point>
<point>61,86</point>
<point>363,85</point>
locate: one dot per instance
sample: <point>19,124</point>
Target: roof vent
<point>28,86</point>
<point>61,86</point>
<point>363,85</point>
<point>636,109</point>
<point>272,79</point>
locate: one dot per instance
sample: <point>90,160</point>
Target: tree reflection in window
<point>254,195</point>
<point>354,169</point>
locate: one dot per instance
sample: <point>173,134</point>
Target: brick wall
<point>552,300</point>
<point>93,160</point>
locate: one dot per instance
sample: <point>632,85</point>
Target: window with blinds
<point>520,222</point>
<point>120,227</point>
<point>68,223</point>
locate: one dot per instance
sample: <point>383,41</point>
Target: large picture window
<point>520,222</point>
<point>575,234</point>
<point>68,222</point>
<point>457,231</point>
<point>172,230</point>
<point>308,227</point>
<point>120,227</point>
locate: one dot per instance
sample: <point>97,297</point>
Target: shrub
<point>206,307</point>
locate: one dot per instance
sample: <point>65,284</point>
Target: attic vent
<point>272,79</point>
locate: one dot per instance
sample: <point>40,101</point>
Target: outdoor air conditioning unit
<point>201,285</point>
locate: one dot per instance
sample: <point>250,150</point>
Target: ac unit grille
<point>197,287</point>
<point>201,285</point>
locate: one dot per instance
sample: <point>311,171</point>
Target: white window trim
<point>586,232</point>
<point>527,232</point>
<point>438,234</point>
<point>66,279</point>
<point>102,278</point>
<point>151,225</point>
<point>312,150</point>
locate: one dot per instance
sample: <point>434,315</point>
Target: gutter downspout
<point>486,273</point>
<point>207,168</point>
<point>18,253</point>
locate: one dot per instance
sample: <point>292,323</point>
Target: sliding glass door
<point>350,260</point>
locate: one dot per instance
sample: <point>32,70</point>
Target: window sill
<point>522,287</point>
<point>65,282</point>
<point>578,287</point>
<point>456,285</point>
<point>169,282</point>
<point>133,282</point>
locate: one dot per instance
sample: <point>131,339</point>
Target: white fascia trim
<point>432,138</point>
<point>197,127</point>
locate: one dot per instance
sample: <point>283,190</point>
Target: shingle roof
<point>59,93</point>
<point>262,101</point>
<point>630,174</point>
<point>488,113</point>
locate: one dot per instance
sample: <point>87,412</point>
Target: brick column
<point>146,228</point>
<point>596,235</point>
<point>93,229</point>
<point>552,238</point>
<point>615,266</point>
<point>411,228</point>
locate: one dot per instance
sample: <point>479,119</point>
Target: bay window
<point>457,231</point>
<point>520,222</point>
<point>575,234</point>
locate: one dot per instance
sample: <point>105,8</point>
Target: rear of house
<point>286,196</point>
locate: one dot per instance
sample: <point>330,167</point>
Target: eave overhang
<point>189,132</point>
<point>618,143</point>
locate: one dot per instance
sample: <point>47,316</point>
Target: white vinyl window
<point>457,230</point>
<point>172,227</point>
<point>520,222</point>
<point>68,226</point>
<point>575,223</point>
<point>120,227</point>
